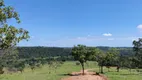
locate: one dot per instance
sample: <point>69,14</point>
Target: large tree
<point>82,53</point>
<point>9,35</point>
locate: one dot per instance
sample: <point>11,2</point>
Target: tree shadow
<point>125,74</point>
<point>128,74</point>
<point>68,74</point>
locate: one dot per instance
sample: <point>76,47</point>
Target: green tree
<point>137,48</point>
<point>9,35</point>
<point>112,58</point>
<point>19,65</point>
<point>32,63</point>
<point>82,54</point>
<point>100,58</point>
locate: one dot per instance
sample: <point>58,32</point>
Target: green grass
<point>43,73</point>
<point>68,67</point>
<point>124,74</point>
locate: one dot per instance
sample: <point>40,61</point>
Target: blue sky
<point>70,22</point>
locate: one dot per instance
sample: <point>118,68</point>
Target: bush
<point>77,63</point>
<point>1,70</point>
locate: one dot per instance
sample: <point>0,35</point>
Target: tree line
<point>110,57</point>
<point>64,52</point>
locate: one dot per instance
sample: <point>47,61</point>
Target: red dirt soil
<point>88,76</point>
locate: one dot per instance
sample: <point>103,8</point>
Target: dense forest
<point>35,52</point>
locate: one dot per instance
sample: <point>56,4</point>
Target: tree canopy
<point>83,53</point>
<point>10,35</point>
<point>137,47</point>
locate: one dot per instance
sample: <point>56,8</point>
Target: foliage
<point>61,52</point>
<point>138,52</point>
<point>9,35</point>
<point>37,52</point>
<point>112,57</point>
<point>108,58</point>
<point>8,57</point>
<point>82,54</point>
<point>100,58</point>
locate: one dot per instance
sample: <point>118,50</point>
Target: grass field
<point>124,74</point>
<point>43,73</point>
<point>68,67</point>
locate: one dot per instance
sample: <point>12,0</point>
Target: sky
<point>65,23</point>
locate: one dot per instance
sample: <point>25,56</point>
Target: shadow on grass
<point>122,74</point>
<point>75,74</point>
<point>128,74</point>
<point>68,74</point>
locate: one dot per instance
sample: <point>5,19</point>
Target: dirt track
<point>87,76</point>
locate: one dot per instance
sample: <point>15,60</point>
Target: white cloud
<point>139,26</point>
<point>134,39</point>
<point>107,34</point>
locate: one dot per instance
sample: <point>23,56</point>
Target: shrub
<point>77,63</point>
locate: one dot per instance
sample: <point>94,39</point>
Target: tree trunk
<point>118,69</point>
<point>108,69</point>
<point>102,69</point>
<point>82,64</point>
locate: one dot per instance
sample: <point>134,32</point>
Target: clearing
<point>88,76</point>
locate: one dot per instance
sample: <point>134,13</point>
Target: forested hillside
<point>28,52</point>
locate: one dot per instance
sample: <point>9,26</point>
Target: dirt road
<point>87,76</point>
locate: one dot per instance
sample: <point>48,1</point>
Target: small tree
<point>20,65</point>
<point>32,63</point>
<point>100,57</point>
<point>137,48</point>
<point>112,58</point>
<point>82,54</point>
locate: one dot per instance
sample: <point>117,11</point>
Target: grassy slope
<point>67,67</point>
<point>43,73</point>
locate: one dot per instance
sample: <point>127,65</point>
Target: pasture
<point>49,73</point>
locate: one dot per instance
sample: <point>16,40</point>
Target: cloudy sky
<point>70,22</point>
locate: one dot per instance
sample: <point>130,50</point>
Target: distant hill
<point>28,52</point>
